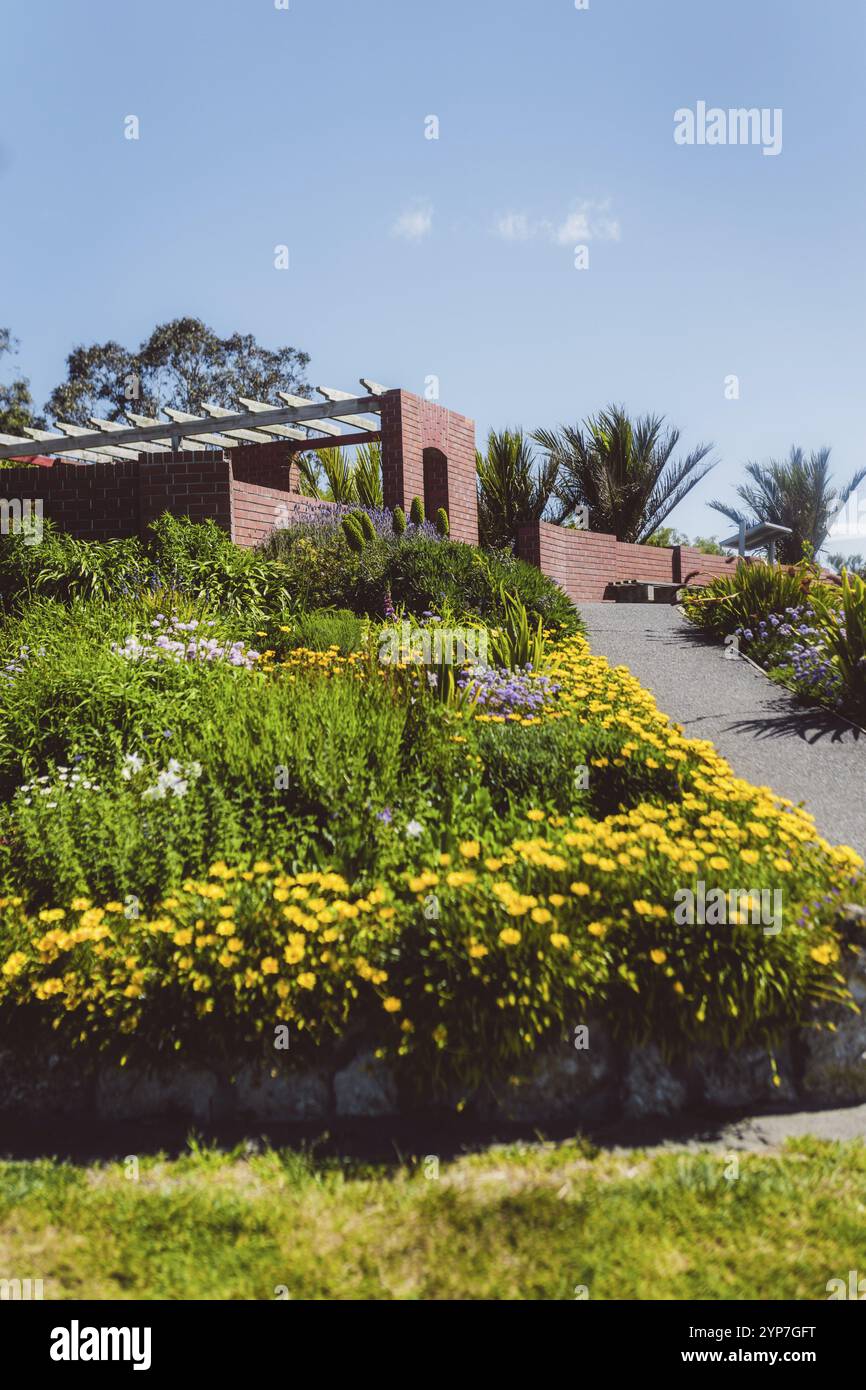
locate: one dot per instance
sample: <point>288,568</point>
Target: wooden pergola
<point>340,419</point>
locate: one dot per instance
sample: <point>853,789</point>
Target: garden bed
<point>274,842</point>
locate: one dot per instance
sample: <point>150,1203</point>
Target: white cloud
<point>587,221</point>
<point>414,223</point>
<point>514,226</point>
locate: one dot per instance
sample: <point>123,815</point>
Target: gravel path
<point>808,755</point>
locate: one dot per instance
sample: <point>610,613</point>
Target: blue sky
<point>412,257</point>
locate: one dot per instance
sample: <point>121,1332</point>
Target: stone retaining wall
<point>816,1066</point>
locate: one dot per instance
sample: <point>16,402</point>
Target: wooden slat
<point>76,431</point>
<point>358,422</point>
<point>282,431</point>
<point>100,456</point>
<point>183,417</point>
<point>191,444</point>
<point>323,426</point>
<point>25,449</point>
<point>219,412</point>
<point>109,425</point>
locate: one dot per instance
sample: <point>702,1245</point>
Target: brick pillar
<point>429,452</point>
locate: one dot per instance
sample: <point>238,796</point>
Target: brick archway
<point>435,466</point>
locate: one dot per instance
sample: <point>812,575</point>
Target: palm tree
<point>512,490</point>
<point>332,475</point>
<point>622,471</point>
<point>795,492</point>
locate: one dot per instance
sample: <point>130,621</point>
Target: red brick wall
<point>257,511</point>
<point>586,563</point>
<point>268,465</point>
<point>409,426</point>
<point>93,502</point>
<point>194,483</point>
<point>245,492</point>
<point>692,567</point>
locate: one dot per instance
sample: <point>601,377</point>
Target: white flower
<point>414,828</point>
<point>132,762</point>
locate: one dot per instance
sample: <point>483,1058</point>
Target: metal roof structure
<point>259,422</point>
<point>756,537</point>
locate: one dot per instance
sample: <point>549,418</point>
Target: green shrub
<point>442,525</point>
<point>196,560</point>
<point>399,521</point>
<point>541,763</point>
<point>416,512</point>
<point>754,590</point>
<point>318,631</point>
<point>422,574</point>
<point>427,575</point>
<point>355,538</point>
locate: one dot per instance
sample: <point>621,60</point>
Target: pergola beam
<point>195,427</point>
<point>311,445</point>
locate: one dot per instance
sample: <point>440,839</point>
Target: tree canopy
<point>181,364</point>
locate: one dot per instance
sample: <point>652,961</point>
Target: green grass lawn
<point>516,1222</point>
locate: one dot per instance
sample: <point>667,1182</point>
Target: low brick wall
<point>691,566</point>
<point>248,492</point>
<point>586,563</point>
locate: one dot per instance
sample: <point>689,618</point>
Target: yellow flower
<point>718,861</point>
<point>294,952</point>
<point>597,929</point>
<point>580,890</point>
<point>541,915</point>
<point>15,963</point>
<point>826,954</point>
<point>391,1005</point>
<point>558,940</point>
<point>307,981</point>
<point>470,849</point>
<point>270,966</point>
<point>52,914</point>
<point>509,936</point>
<point>757,829</point>
<point>535,815</point>
<point>784,866</point>
<point>80,904</point>
<point>749,856</point>
<point>477,950</point>
<point>658,957</point>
